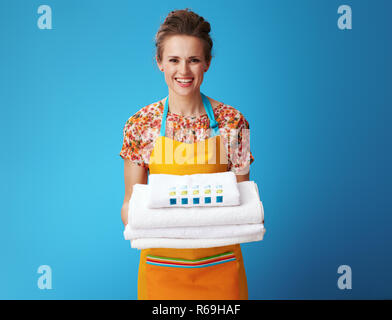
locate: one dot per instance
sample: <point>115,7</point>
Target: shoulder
<point>228,117</point>
<point>148,116</point>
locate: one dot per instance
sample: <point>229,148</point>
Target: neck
<point>190,105</point>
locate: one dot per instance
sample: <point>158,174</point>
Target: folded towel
<point>250,211</point>
<point>208,189</point>
<point>206,232</point>
<point>146,243</point>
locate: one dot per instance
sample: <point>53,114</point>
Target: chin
<point>186,91</point>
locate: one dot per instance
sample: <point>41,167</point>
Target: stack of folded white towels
<point>194,211</point>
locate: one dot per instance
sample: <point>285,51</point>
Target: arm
<point>244,177</point>
<point>132,174</point>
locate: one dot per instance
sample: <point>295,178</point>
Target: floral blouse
<point>141,130</point>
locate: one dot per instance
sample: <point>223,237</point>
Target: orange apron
<point>191,274</point>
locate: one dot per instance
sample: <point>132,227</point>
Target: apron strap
<point>164,116</point>
<point>210,113</point>
<point>213,124</point>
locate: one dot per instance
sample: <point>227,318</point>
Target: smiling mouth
<point>184,80</point>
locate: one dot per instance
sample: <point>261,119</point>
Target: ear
<point>158,63</point>
<point>207,66</point>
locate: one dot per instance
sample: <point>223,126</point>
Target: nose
<point>184,68</point>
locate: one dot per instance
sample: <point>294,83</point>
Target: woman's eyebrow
<point>179,57</point>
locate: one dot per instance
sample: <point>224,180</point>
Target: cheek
<point>200,74</point>
<point>169,72</point>
<point>199,71</point>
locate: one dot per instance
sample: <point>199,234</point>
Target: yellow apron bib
<point>191,274</point>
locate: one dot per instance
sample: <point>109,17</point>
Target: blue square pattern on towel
<point>207,200</point>
<point>196,200</point>
<point>219,199</point>
<point>184,201</point>
<point>173,201</point>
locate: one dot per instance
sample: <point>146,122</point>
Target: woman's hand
<point>132,174</point>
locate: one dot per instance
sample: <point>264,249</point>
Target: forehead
<point>183,46</point>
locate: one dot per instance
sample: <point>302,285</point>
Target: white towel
<point>250,211</point>
<point>146,243</point>
<point>208,189</point>
<point>206,232</point>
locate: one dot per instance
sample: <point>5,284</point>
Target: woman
<point>185,118</point>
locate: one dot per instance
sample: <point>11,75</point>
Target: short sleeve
<point>240,156</point>
<point>132,143</point>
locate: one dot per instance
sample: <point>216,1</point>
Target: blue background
<point>318,101</point>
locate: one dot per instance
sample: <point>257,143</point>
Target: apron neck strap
<point>207,107</point>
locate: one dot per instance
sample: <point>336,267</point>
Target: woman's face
<point>184,64</point>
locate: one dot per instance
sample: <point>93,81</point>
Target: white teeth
<point>184,81</point>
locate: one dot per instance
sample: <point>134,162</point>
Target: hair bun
<point>184,22</point>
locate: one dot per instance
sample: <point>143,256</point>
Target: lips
<point>184,82</point>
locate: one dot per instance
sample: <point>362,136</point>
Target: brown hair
<point>184,22</point>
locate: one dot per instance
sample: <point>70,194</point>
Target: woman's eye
<point>192,60</point>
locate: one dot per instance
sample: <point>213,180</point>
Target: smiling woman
<point>183,119</point>
<point>184,74</point>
